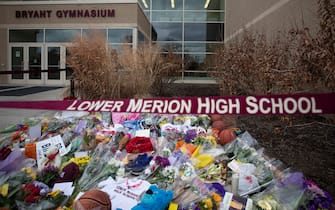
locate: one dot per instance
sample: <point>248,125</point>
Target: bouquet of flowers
<point>101,166</point>
<point>315,198</point>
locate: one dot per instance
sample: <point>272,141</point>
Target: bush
<point>95,68</point>
<point>100,72</point>
<point>294,62</point>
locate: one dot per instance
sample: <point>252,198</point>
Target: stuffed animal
<point>52,158</point>
<point>154,199</point>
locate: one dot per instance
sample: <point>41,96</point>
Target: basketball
<point>216,117</point>
<point>93,199</point>
<point>226,136</point>
<point>220,125</point>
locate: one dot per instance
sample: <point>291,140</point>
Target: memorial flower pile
<point>131,157</point>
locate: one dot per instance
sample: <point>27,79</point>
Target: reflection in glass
<point>69,70</point>
<point>204,32</point>
<point>202,46</point>
<point>197,61</point>
<point>120,35</point>
<point>17,62</point>
<point>202,16</point>
<point>119,46</point>
<point>61,35</point>
<point>140,37</point>
<point>201,5</point>
<point>145,4</point>
<point>167,15</point>
<point>26,35</point>
<point>170,46</point>
<point>167,4</point>
<point>94,32</point>
<point>35,62</point>
<point>54,63</point>
<point>195,74</point>
<point>168,31</point>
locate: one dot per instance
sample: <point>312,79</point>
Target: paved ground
<point>12,116</point>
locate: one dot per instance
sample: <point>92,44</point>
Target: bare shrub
<point>143,70</point>
<point>293,62</point>
<point>95,68</point>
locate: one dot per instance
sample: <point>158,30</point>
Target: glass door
<point>56,64</point>
<point>35,63</point>
<point>17,62</point>
<point>54,55</point>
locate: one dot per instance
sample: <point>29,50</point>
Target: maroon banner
<point>241,105</point>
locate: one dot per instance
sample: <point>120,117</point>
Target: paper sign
<point>143,133</point>
<point>65,187</point>
<point>35,131</point>
<point>233,165</point>
<point>80,154</point>
<point>43,146</point>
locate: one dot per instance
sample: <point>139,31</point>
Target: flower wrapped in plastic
<point>285,194</point>
<point>48,175</point>
<point>164,177</point>
<point>315,198</point>
<point>217,171</point>
<point>101,166</point>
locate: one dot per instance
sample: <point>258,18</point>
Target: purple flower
<point>190,135</point>
<point>49,168</point>
<point>162,162</point>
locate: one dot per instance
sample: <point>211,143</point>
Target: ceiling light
<point>145,3</point>
<point>207,3</point>
<point>172,3</point>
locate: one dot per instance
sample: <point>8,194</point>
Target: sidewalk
<point>13,116</point>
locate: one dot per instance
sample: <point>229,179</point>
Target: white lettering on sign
<point>220,106</point>
<point>205,105</point>
<point>160,106</point>
<point>104,106</point>
<point>287,105</point>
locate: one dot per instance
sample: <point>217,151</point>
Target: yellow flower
<point>212,140</point>
<point>4,189</point>
<point>65,208</point>
<point>217,198</point>
<point>30,172</point>
<point>208,203</point>
<point>54,193</point>
<point>81,161</point>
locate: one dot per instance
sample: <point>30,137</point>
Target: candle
<point>234,183</point>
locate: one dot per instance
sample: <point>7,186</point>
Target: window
<point>167,4</point>
<point>204,5</point>
<point>140,37</point>
<point>202,46</point>
<point>170,46</point>
<point>120,35</point>
<point>94,32</point>
<point>26,35</point>
<point>204,32</point>
<point>167,16</point>
<point>168,31</point>
<point>202,16</point>
<point>61,35</point>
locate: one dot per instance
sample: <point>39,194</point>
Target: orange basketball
<point>226,136</point>
<point>216,117</point>
<point>220,125</point>
<point>93,199</point>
